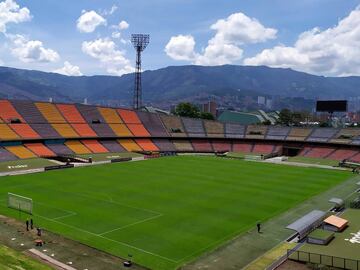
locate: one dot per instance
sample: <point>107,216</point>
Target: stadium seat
<point>24,131</point>
<point>29,111</point>
<point>8,112</point>
<point>263,148</point>
<point>60,149</point>
<point>346,135</point>
<point>164,145</point>
<point>112,146</point>
<point>202,145</point>
<point>70,113</point>
<point>6,133</point>
<point>20,151</point>
<point>84,130</point>
<point>121,130</point>
<point>50,112</point>
<point>103,130</point>
<point>298,134</point>
<point>320,152</point>
<point>194,127</point>
<point>214,129</point>
<point>242,147</point>
<point>129,117</point>
<point>46,131</point>
<point>322,134</point>
<point>173,125</point>
<point>147,145</point>
<point>277,133</point>
<point>77,147</point>
<point>39,149</point>
<point>222,146</point>
<point>256,132</point>
<point>130,145</point>
<point>342,154</point>
<point>94,146</point>
<point>153,124</point>
<point>183,145</point>
<point>65,130</point>
<point>138,130</point>
<point>110,115</point>
<point>234,130</point>
<point>5,155</point>
<point>90,113</point>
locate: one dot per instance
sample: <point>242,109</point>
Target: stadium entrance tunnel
<point>291,151</point>
<point>70,159</point>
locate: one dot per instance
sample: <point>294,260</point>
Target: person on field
<point>31,224</point>
<point>27,224</point>
<point>38,231</point>
<point>258,225</point>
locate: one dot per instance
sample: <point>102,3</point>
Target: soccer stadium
<point>173,192</point>
<point>244,159</point>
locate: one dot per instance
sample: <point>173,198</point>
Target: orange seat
<point>94,146</point>
<point>147,144</point>
<point>129,145</point>
<point>25,131</point>
<point>121,130</point>
<point>77,147</point>
<point>129,117</point>
<point>6,133</point>
<point>20,151</point>
<point>50,112</point>
<point>8,112</point>
<point>138,130</point>
<point>65,130</point>
<point>71,113</point>
<point>110,115</point>
<point>84,130</point>
<point>40,149</point>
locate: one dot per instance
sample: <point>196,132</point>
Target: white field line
<point>65,216</point>
<point>132,224</point>
<point>109,239</point>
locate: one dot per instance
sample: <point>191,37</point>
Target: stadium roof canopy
<point>306,223</point>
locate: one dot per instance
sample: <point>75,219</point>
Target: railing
<point>315,258</point>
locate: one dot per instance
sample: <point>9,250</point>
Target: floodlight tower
<point>139,41</point>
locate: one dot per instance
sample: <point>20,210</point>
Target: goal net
<point>20,203</point>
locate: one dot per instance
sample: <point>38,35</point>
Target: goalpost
<point>21,203</point>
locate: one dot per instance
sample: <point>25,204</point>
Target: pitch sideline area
<point>168,211</point>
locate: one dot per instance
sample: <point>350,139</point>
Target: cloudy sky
<point>87,37</point>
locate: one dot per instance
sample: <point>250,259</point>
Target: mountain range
<point>175,83</point>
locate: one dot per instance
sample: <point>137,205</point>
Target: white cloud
<point>89,21</point>
<point>116,35</point>
<point>123,25</point>
<point>32,50</point>
<point>10,12</point>
<point>69,70</point>
<point>181,48</point>
<point>106,52</point>
<point>224,47</point>
<point>334,51</point>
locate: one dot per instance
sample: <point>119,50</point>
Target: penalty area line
<point>109,239</point>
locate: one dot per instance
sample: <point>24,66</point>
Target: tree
<point>187,109</point>
<point>207,115</point>
<point>285,117</point>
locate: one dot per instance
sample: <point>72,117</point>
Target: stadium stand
<point>20,151</point>
<point>234,130</point>
<point>277,133</point>
<point>342,154</point>
<point>299,134</point>
<point>129,117</point>
<point>39,149</point>
<point>28,111</point>
<point>242,147</point>
<point>129,145</point>
<point>110,115</point>
<point>147,145</point>
<point>121,130</point>
<point>24,131</point>
<point>77,147</point>
<point>256,132</point>
<point>263,148</point>
<point>173,125</point>
<point>214,129</point>
<point>59,148</point>
<point>138,130</point>
<point>222,146</point>
<point>322,134</point>
<point>319,152</point>
<point>94,146</point>
<point>90,113</point>
<point>7,133</point>
<point>84,130</point>
<point>65,130</point>
<point>50,112</point>
<point>8,112</point>
<point>103,130</point>
<point>70,113</point>
<point>183,145</point>
<point>164,145</point>
<point>46,131</point>
<point>153,124</point>
<point>346,135</point>
<point>194,127</point>
<point>355,158</point>
<point>112,146</point>
<point>6,155</point>
<point>202,146</point>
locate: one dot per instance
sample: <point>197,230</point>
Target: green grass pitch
<point>165,212</point>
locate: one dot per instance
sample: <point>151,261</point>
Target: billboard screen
<point>331,106</point>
